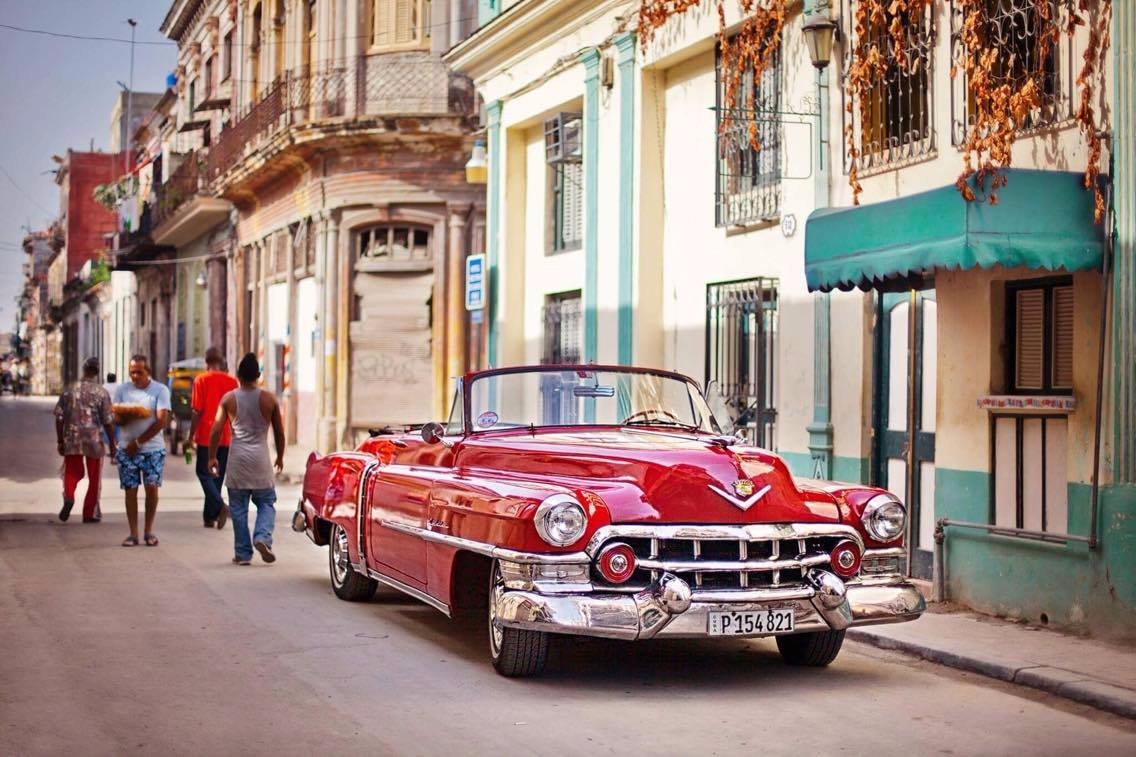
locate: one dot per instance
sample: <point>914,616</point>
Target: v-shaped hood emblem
<point>741,504</point>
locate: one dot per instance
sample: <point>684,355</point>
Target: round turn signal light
<point>845,558</point>
<point>616,563</point>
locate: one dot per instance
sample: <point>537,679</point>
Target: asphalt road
<point>173,650</point>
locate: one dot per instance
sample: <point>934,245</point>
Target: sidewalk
<point>1090,671</point>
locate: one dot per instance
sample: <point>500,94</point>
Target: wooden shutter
<point>1062,337</point>
<point>405,21</point>
<point>572,197</point>
<point>1029,349</point>
<point>382,22</point>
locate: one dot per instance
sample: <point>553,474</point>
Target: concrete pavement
<point>1084,670</point>
<point>174,650</point>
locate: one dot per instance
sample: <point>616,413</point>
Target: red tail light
<point>616,563</point>
<point>845,559</point>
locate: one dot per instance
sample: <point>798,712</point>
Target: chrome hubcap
<point>339,564</point>
<point>496,586</point>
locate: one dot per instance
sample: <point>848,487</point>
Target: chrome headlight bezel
<point>876,516</point>
<point>554,506</point>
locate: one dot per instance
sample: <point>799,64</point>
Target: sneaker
<point>241,561</point>
<point>65,513</point>
<point>265,551</point>
<point>222,517</point>
<point>92,520</point>
<point>210,524</point>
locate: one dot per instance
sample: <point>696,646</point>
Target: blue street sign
<point>475,282</point>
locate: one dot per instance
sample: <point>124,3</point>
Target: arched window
<point>278,21</point>
<point>400,24</point>
<point>254,51</point>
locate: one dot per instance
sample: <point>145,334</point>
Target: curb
<point>1067,684</point>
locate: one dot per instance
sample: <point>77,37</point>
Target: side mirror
<point>432,433</point>
<point>718,407</point>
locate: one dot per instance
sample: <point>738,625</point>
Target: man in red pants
<point>82,414</point>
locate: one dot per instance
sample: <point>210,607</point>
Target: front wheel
<point>813,650</point>
<point>515,652</point>
<point>347,583</point>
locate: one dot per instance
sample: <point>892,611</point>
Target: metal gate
<point>741,354</point>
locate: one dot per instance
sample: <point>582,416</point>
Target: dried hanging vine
<point>751,50</point>
<point>1000,107</point>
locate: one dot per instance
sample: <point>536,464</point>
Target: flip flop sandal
<point>151,540</point>
<point>130,541</point>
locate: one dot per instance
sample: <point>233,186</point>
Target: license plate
<point>750,623</point>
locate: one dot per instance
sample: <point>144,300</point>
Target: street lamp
<point>200,280</point>
<point>819,30</point>
<point>477,169</point>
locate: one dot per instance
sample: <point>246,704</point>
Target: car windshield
<point>585,397</point>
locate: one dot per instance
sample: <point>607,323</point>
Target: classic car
<point>605,501</point>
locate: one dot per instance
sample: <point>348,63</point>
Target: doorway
<point>905,376</point>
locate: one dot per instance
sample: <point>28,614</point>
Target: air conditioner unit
<point>562,143</point>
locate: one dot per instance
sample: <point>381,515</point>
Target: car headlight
<point>884,517</point>
<point>561,520</point>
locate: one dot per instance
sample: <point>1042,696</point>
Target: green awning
<point>1043,220</point>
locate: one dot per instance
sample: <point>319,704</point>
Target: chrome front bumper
<point>670,608</point>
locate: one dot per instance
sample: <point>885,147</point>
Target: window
<point>748,189</point>
<point>192,99</point>
<point>1039,325</point>
<point>400,23</point>
<point>395,245</point>
<point>1013,27</point>
<point>227,56</point>
<point>209,78</point>
<point>892,123</point>
<point>1030,479</point>
<point>741,354</point>
<point>562,336</point>
<point>563,154</point>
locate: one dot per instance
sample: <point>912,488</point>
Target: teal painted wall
<point>1074,587</point>
<point>625,44</point>
<point>848,469</point>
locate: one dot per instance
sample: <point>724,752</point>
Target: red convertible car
<point>605,501</point>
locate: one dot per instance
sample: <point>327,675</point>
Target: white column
<point>331,329</point>
<point>322,334</point>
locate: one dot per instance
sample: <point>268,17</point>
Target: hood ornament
<point>746,497</point>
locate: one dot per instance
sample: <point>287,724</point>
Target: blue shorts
<point>143,468</point>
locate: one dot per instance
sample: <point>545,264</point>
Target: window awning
<point>1043,220</point>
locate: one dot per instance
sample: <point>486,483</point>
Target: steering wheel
<point>646,415</point>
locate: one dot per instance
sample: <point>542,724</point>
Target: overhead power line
<point>27,196</point>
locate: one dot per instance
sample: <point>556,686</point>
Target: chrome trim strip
<point>481,548</point>
<point>888,552</point>
<point>754,532</point>
<point>754,595</point>
<point>361,512</point>
<point>422,596</point>
<point>734,566</point>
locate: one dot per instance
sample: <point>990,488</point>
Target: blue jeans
<point>211,484</point>
<point>265,501</point>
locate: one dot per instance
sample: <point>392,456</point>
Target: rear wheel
<point>347,583</point>
<point>814,650</point>
<point>515,652</point>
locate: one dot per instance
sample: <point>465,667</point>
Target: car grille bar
<point>725,558</point>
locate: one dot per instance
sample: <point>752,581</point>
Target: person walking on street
<point>82,415</point>
<point>249,475</point>
<point>142,460</point>
<point>208,389</point>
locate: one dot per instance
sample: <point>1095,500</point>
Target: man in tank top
<point>249,410</point>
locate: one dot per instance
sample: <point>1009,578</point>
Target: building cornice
<point>493,47</point>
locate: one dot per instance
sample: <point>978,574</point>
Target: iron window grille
<point>748,186</point>
<point>566,181</point>
<point>892,125</point>
<point>741,354</point>
<point>562,335</point>
<point>1013,27</point>
<point>394,244</point>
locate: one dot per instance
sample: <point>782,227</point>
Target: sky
<point>57,93</point>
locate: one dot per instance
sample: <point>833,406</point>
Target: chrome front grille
<point>724,558</point>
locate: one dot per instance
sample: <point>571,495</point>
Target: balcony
<point>184,210</point>
<point>372,87</point>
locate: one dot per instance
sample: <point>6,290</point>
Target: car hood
<point>649,476</point>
